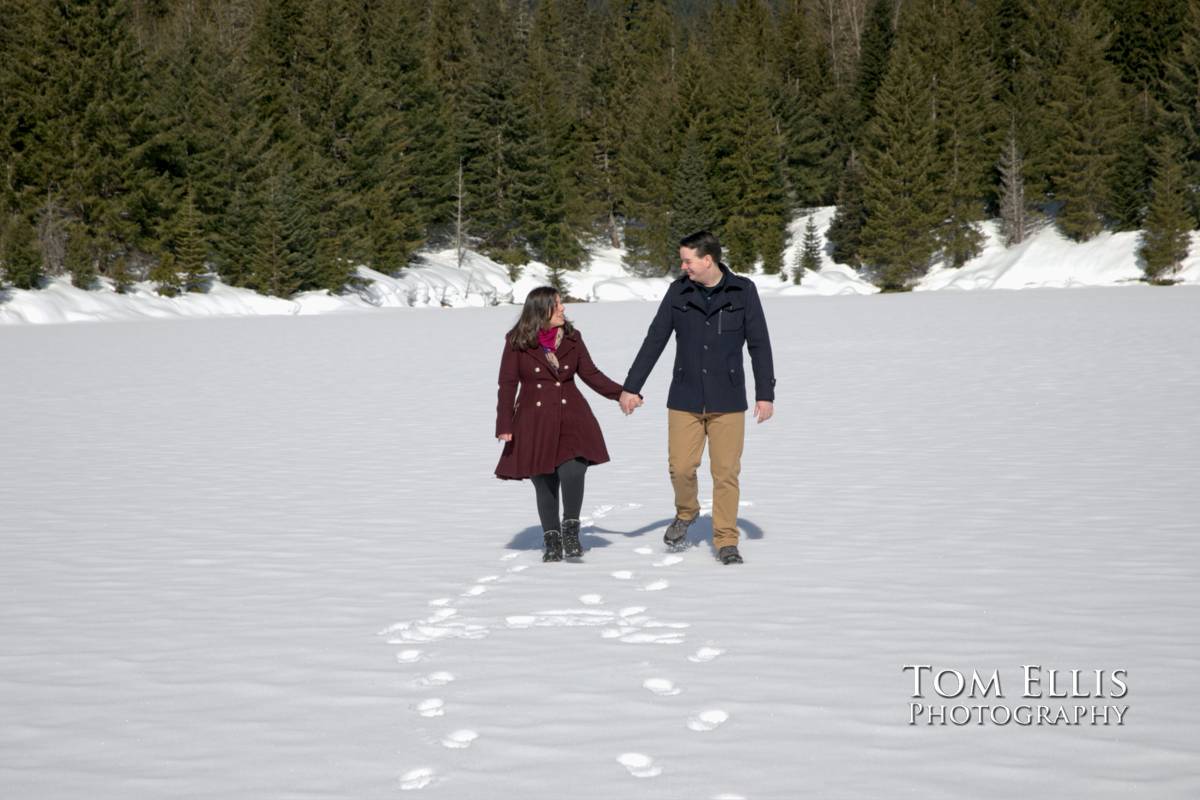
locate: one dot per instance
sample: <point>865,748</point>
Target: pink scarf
<point>548,339</point>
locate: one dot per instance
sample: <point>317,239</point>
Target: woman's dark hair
<point>704,243</point>
<point>539,305</point>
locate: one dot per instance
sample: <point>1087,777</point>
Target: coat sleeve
<point>758,342</point>
<point>593,377</point>
<point>652,346</point>
<point>510,376</point>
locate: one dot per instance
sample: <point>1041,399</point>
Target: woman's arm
<point>506,396</point>
<point>593,377</point>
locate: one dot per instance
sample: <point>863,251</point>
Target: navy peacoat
<point>708,374</point>
<point>549,420</point>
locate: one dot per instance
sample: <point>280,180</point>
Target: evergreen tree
<point>19,256</point>
<point>191,250</point>
<point>692,208</point>
<point>947,42</point>
<point>166,274</point>
<point>876,48</point>
<point>809,255</point>
<point>1180,90</point>
<point>902,204</point>
<point>80,259</point>
<point>1167,236</point>
<point>845,230</point>
<point>1086,101</point>
<point>119,271</point>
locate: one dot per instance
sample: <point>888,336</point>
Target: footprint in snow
<point>705,654</point>
<point>509,556</point>
<point>728,796</point>
<point>622,575</point>
<point>656,586</point>
<point>460,739</point>
<point>440,601</point>
<point>519,568</point>
<point>707,720</point>
<point>639,765</point>
<point>475,590</point>
<point>435,679</point>
<point>644,551</point>
<point>591,599</point>
<point>668,561</point>
<point>416,779</point>
<point>433,707</point>
<point>408,656</point>
<point>661,687</point>
<point>488,579</point>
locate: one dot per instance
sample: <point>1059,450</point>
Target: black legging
<point>569,478</point>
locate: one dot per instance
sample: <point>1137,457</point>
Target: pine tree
<point>1012,192</point>
<point>1088,125</point>
<point>902,204</point>
<point>19,257</point>
<point>119,271</point>
<point>1180,90</point>
<point>805,103</point>
<point>191,250</point>
<point>947,41</point>
<point>166,274</point>
<point>876,48</point>
<point>80,259</point>
<point>809,255</point>
<point>692,208</point>
<point>1167,235</point>
<point>845,230</point>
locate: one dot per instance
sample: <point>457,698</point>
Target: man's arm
<point>656,339</point>
<point>758,342</point>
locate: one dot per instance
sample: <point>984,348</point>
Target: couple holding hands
<point>551,436</point>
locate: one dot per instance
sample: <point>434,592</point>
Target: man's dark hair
<point>704,243</point>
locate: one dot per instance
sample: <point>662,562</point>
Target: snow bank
<point>1045,259</point>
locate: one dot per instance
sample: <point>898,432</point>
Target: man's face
<point>700,269</point>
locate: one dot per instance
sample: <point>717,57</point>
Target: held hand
<point>763,410</point>
<point>629,401</point>
<point>504,437</point>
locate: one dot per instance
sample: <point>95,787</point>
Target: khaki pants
<point>726,433</point>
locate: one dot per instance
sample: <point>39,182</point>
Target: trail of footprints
<point>630,625</point>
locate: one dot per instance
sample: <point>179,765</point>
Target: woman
<point>549,432</point>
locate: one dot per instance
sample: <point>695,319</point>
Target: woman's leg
<point>571,474</point>
<point>545,487</point>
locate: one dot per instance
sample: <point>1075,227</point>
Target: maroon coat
<point>549,420</point>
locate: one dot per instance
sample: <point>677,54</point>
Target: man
<point>713,313</point>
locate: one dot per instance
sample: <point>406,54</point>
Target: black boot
<point>570,539</point>
<point>729,554</point>
<point>676,535</point>
<point>554,546</point>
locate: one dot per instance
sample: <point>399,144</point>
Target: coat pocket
<point>730,320</point>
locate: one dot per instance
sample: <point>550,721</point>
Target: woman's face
<point>557,313</point>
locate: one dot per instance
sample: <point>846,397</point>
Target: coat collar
<point>564,346</point>
<point>732,282</point>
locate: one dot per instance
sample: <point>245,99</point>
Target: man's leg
<point>685,446</point>
<point>726,435</point>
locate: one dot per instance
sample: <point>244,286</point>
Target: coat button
<point>558,384</point>
<point>706,322</point>
<point>564,401</point>
<point>539,386</point>
<point>705,371</point>
<point>537,369</point>
<point>705,347</point>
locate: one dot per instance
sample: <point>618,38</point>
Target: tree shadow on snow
<point>592,535</point>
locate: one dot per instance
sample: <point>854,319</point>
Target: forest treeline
<point>281,143</point>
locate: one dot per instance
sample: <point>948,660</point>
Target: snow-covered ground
<point>1045,259</point>
<point>266,558</point>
